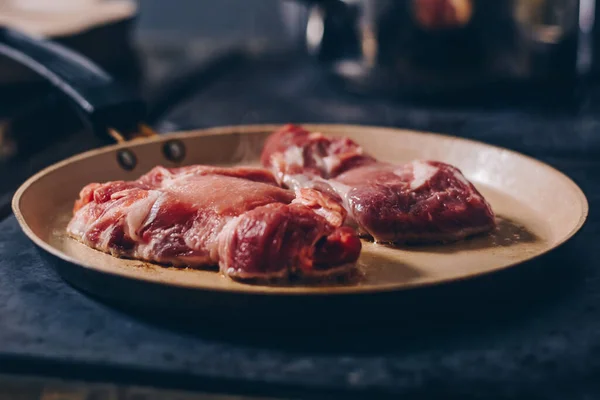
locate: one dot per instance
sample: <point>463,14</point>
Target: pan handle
<point>106,106</point>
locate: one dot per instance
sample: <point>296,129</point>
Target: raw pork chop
<point>200,216</point>
<point>421,201</point>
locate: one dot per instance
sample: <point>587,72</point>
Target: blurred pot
<point>440,46</point>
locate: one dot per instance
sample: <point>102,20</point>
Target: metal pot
<point>449,46</point>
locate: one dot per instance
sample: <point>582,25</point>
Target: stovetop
<point>532,334</point>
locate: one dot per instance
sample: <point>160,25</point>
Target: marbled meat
<point>199,216</point>
<point>421,201</point>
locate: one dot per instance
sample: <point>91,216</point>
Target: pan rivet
<point>126,159</point>
<point>174,150</point>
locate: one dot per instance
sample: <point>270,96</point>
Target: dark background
<point>235,19</point>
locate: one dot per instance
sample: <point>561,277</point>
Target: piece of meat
<point>293,150</point>
<point>199,216</point>
<point>418,202</point>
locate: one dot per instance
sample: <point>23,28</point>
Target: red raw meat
<point>420,201</point>
<point>201,216</point>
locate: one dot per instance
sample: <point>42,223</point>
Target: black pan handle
<point>109,108</point>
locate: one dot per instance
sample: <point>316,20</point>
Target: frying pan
<point>539,208</point>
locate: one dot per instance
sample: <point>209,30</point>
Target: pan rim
<point>292,291</point>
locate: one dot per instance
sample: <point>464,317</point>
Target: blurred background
<point>235,19</point>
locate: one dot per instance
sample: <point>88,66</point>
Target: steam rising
<point>248,149</point>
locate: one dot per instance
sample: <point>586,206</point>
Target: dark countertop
<point>534,333</point>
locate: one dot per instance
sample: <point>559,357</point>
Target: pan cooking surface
<point>520,233</point>
<point>538,209</point>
